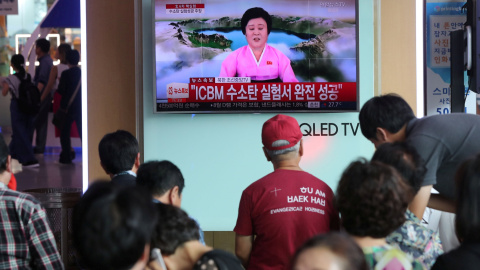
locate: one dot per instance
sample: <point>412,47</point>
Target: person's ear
<point>174,196</point>
<point>266,154</point>
<point>300,150</point>
<point>381,134</point>
<point>137,161</point>
<point>9,164</point>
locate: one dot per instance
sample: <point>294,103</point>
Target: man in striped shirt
<point>26,241</point>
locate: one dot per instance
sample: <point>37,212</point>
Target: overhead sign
<point>8,7</point>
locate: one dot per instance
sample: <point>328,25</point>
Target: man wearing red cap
<point>286,207</point>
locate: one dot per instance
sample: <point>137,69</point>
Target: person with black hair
<point>258,60</point>
<point>42,74</point>
<point>120,157</point>
<point>411,237</point>
<point>112,227</point>
<point>22,123</point>
<point>372,199</point>
<point>25,236</point>
<point>70,81</point>
<point>333,250</point>
<point>467,222</point>
<point>443,141</point>
<point>56,71</point>
<point>176,236</point>
<point>165,182</point>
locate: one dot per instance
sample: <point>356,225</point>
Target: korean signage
<point>8,7</point>
<point>259,96</point>
<point>442,17</point>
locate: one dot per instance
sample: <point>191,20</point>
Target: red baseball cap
<point>281,127</point>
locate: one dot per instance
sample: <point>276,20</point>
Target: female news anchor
<point>258,60</point>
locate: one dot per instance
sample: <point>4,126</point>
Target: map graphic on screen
<point>287,56</point>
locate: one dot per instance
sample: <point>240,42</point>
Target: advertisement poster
<point>442,17</point>
<point>310,63</point>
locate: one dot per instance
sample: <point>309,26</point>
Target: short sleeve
<point>244,221</point>
<point>431,150</point>
<point>44,75</point>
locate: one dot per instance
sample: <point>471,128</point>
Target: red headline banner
<point>186,6</point>
<point>266,92</point>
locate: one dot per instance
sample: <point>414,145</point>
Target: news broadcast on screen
<point>215,56</point>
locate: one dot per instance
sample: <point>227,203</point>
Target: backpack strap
<point>74,94</point>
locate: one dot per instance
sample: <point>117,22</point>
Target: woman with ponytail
<point>22,123</point>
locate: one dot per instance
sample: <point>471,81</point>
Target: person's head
<point>282,139</point>
<point>173,229</point>
<point>382,116</point>
<point>42,46</point>
<point>18,63</point>
<point>72,57</point>
<point>467,222</point>
<point>119,152</point>
<point>61,53</point>
<point>372,199</point>
<point>256,25</point>
<point>4,156</point>
<point>405,159</point>
<point>332,250</point>
<point>112,226</point>
<point>163,179</point>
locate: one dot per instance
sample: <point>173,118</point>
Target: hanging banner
<point>8,7</point>
<point>442,17</point>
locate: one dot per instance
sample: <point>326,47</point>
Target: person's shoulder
<point>46,59</point>
<point>316,180</point>
<point>218,259</point>
<point>124,180</point>
<point>12,78</point>
<point>237,52</point>
<point>22,199</point>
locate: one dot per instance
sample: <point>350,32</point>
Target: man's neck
<point>42,54</point>
<point>163,199</point>
<point>5,177</point>
<point>400,135</point>
<point>186,256</point>
<point>291,164</point>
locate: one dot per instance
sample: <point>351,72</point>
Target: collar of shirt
<point>410,125</point>
<point>3,186</point>
<point>261,56</point>
<point>126,172</point>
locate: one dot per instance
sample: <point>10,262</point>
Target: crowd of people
<point>288,219</point>
<point>48,80</point>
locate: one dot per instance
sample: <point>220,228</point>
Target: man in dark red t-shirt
<point>280,211</point>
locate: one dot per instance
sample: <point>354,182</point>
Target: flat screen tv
<point>306,60</point>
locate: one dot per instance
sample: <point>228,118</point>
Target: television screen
<point>214,56</point>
